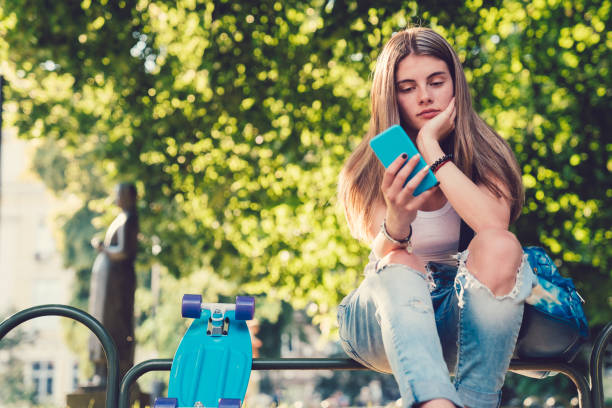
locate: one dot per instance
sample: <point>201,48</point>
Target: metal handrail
<point>579,379</point>
<point>112,356</point>
<point>135,372</point>
<point>258,364</point>
<point>118,394</point>
<point>597,357</point>
<point>584,395</point>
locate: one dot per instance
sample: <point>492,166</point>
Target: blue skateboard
<point>212,365</point>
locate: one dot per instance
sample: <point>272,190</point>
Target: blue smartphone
<point>391,143</point>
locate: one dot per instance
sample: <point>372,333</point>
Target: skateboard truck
<point>217,324</point>
<point>192,307</point>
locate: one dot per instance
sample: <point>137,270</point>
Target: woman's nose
<point>423,96</point>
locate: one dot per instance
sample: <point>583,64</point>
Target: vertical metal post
<point>1,110</point>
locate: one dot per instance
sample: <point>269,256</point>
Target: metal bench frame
<point>589,384</point>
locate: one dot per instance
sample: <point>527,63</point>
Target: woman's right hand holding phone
<point>401,205</point>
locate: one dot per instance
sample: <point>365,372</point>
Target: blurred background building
<point>31,273</point>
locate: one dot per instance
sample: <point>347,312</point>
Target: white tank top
<point>435,235</point>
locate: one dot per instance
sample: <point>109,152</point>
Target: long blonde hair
<point>479,152</point>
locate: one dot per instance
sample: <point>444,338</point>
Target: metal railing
<point>112,357</point>
<point>589,385</point>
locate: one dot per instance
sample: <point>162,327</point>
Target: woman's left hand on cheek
<point>441,125</point>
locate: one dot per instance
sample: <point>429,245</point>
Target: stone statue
<point>113,283</point>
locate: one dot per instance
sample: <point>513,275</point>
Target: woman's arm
<point>380,245</point>
<point>475,204</point>
<point>400,206</point>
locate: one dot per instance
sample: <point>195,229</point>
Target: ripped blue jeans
<point>421,328</point>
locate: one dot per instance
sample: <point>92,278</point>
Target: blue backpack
<point>554,324</point>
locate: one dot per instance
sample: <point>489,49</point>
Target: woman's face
<point>424,89</point>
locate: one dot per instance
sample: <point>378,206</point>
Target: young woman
<point>424,310</point>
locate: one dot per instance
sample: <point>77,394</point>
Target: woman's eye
<point>406,89</point>
<point>438,83</point>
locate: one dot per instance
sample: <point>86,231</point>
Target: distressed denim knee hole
<point>465,280</point>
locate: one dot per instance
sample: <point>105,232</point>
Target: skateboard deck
<point>212,365</point>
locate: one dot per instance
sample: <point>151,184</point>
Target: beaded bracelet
<point>442,160</point>
<point>440,165</point>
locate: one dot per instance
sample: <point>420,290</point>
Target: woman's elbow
<point>496,224</point>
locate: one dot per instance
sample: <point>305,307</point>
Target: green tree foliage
<point>234,120</point>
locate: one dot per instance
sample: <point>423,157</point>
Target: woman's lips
<point>429,114</point>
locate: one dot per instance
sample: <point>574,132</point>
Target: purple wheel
<point>245,307</point>
<point>229,403</point>
<point>165,403</point>
<point>192,306</point>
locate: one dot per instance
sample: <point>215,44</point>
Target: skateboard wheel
<point>192,306</point>
<point>165,403</point>
<point>229,403</point>
<point>245,307</point>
